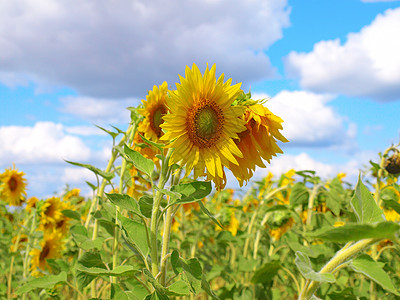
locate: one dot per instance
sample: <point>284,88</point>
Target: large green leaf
<point>45,282</point>
<point>364,205</point>
<point>136,233</point>
<point>192,191</point>
<point>299,194</point>
<point>179,288</point>
<point>191,268</point>
<point>117,272</point>
<point>142,163</point>
<point>303,263</point>
<point>365,265</point>
<point>356,232</point>
<point>125,202</point>
<point>266,272</point>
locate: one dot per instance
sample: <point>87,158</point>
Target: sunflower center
<point>12,184</point>
<point>156,119</point>
<point>205,121</point>
<point>45,251</point>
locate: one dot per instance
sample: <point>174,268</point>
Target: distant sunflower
<point>12,187</point>
<point>51,247</point>
<point>31,203</point>
<point>202,124</point>
<point>154,109</point>
<point>257,142</point>
<point>51,212</point>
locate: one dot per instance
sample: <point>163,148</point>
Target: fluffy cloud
<point>98,111</point>
<point>367,64</point>
<point>45,142</point>
<point>121,48</point>
<point>310,121</point>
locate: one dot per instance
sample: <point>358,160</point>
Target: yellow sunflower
<point>31,203</point>
<point>12,187</point>
<point>51,213</point>
<point>154,109</point>
<point>202,124</point>
<point>257,141</point>
<point>51,247</point>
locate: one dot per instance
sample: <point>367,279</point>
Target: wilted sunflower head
<point>154,109</point>
<point>12,187</point>
<point>258,141</point>
<point>202,124</point>
<point>392,164</point>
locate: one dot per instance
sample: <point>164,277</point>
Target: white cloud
<point>367,64</point>
<point>121,48</point>
<point>77,176</point>
<point>98,111</point>
<point>45,142</point>
<point>310,121</point>
<point>84,130</point>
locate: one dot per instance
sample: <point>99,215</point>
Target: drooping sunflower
<point>51,247</point>
<point>31,203</point>
<point>257,142</point>
<point>202,124</point>
<point>12,187</point>
<point>154,109</point>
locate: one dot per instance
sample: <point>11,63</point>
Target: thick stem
<point>165,244</point>
<point>311,203</point>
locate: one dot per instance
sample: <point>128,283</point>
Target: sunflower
<point>31,203</point>
<point>276,233</point>
<point>257,141</point>
<point>51,213</point>
<point>203,123</point>
<point>51,247</point>
<point>12,187</point>
<point>20,240</point>
<point>154,109</point>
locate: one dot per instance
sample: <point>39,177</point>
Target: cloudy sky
<point>331,69</point>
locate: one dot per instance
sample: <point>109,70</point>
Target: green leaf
<point>206,211</point>
<point>79,233</point>
<point>206,287</point>
<point>158,146</point>
<point>178,288</point>
<point>192,191</point>
<point>303,263</point>
<point>365,265</point>
<point>136,233</point>
<point>143,164</point>
<point>266,272</point>
<point>364,206</point>
<point>71,214</point>
<point>113,134</point>
<point>299,194</point>
<point>393,205</point>
<point>91,259</point>
<point>45,282</point>
<point>106,175</point>
<point>356,232</point>
<point>125,202</point>
<point>117,272</point>
<point>191,269</point>
<point>146,205</point>
<point>334,196</point>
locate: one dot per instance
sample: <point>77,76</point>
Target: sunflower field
<point>161,224</point>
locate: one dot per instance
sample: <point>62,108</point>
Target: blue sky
<point>331,69</point>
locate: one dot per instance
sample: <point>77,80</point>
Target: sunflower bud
<point>392,164</point>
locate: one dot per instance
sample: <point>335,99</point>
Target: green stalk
<point>154,213</point>
<point>311,203</point>
<point>117,208</point>
<point>341,256</point>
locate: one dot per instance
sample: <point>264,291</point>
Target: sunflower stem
<point>154,214</point>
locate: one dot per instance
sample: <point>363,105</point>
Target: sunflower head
<point>51,247</point>
<point>202,124</point>
<point>258,141</point>
<point>154,109</point>
<point>12,187</point>
<point>31,203</point>
<point>392,164</point>
<point>51,212</point>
